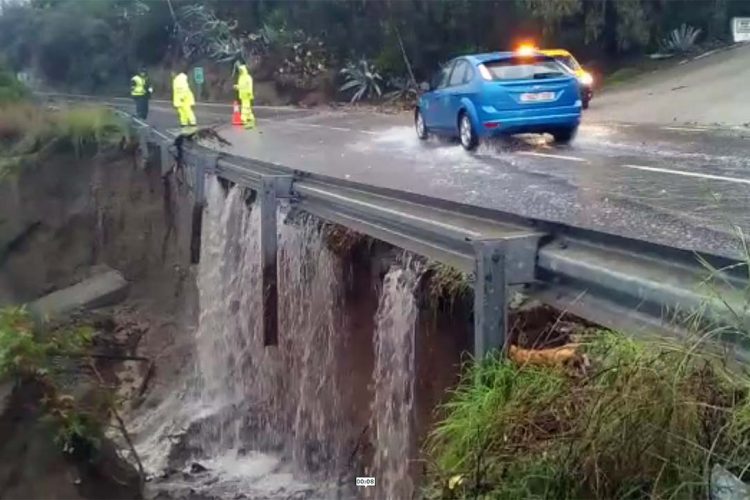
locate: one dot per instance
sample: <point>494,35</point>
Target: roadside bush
<point>32,356</point>
<point>648,421</point>
<point>11,90</point>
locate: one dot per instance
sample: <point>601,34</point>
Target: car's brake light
<point>485,72</point>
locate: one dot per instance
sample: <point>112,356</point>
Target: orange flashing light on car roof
<point>526,49</point>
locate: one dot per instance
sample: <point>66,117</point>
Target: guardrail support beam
<point>490,305</point>
<point>199,183</point>
<point>271,189</point>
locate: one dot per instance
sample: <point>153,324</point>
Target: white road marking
<point>340,129</point>
<point>686,129</point>
<point>689,174</point>
<point>705,54</point>
<point>557,157</point>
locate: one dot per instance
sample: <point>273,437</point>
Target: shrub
<point>362,79</point>
<point>11,90</point>
<point>648,422</point>
<point>32,355</point>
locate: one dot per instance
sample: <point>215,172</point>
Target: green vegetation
<point>34,356</point>
<point>648,420</point>
<point>362,80</point>
<point>94,45</point>
<point>11,90</point>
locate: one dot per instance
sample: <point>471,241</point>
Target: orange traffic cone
<point>236,117</point>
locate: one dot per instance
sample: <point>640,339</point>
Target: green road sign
<point>198,75</point>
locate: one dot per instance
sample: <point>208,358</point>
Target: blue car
<point>499,93</point>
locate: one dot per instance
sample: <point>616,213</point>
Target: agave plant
<point>403,89</point>
<point>362,78</point>
<point>681,39</point>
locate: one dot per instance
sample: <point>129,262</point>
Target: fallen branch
<point>123,430</point>
<point>146,379</point>
<point>560,357</point>
<point>113,357</point>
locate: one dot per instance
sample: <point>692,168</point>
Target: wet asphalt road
<point>682,186</point>
<point>708,88</point>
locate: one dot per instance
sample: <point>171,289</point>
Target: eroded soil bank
<point>62,220</point>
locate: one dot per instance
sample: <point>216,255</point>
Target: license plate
<point>537,96</point>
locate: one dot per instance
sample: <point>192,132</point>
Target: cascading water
<point>394,378</point>
<point>261,418</point>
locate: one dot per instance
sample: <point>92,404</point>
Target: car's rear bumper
<point>527,120</point>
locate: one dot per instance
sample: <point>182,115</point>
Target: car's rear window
<point>569,61</point>
<point>524,69</point>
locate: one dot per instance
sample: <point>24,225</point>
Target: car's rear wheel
<point>564,135</point>
<point>420,125</point>
<point>466,132</point>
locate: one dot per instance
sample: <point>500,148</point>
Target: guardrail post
<point>165,158</point>
<point>199,182</point>
<point>271,188</point>
<point>268,249</point>
<point>490,306</point>
<point>143,136</point>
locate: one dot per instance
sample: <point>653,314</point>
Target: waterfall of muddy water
<point>269,422</point>
<point>394,379</point>
<point>261,420</point>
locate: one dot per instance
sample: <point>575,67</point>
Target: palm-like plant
<point>363,79</point>
<point>680,40</point>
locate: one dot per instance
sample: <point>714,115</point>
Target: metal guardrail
<point>614,281</point>
<point>610,280</point>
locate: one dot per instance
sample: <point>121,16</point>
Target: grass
<point>29,131</point>
<point>648,421</point>
<point>446,286</point>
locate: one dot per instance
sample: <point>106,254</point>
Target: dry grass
<point>29,131</point>
<point>446,286</point>
<point>342,241</point>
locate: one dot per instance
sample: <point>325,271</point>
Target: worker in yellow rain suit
<point>183,100</point>
<point>245,92</point>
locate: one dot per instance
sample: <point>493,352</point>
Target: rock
<point>727,486</point>
<point>106,288</point>
<point>196,468</point>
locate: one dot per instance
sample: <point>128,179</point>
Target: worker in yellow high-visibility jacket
<point>183,100</point>
<point>140,91</point>
<point>245,93</point>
